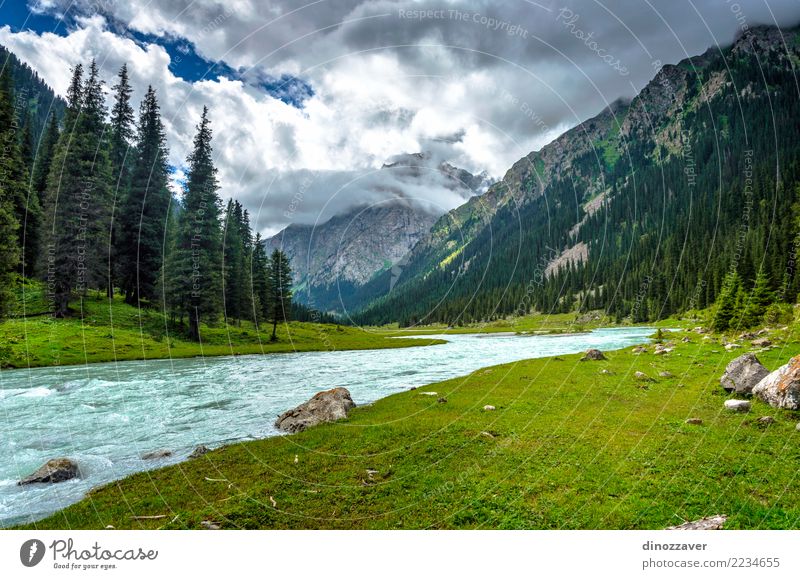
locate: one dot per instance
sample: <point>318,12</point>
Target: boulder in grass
<point>781,388</point>
<point>742,374</point>
<point>200,451</point>
<point>53,471</point>
<point>488,408</point>
<point>737,405</point>
<point>694,421</point>
<point>642,377</point>
<point>762,343</point>
<point>714,523</point>
<point>327,406</point>
<point>593,354</point>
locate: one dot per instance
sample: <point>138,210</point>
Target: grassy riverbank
<point>112,330</point>
<point>567,447</point>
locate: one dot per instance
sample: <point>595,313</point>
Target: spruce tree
<point>233,255</point>
<point>280,286</point>
<point>758,301</point>
<point>143,208</point>
<point>15,176</point>
<point>726,312</point>
<point>259,280</point>
<point>44,158</point>
<point>195,264</point>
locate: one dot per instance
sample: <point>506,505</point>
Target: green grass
<point>567,447</point>
<point>107,330</point>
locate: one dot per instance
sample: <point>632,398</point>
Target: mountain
<point>334,259</point>
<point>642,210</point>
<point>33,96</point>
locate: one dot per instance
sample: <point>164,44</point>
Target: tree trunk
<point>194,325</point>
<point>274,329</point>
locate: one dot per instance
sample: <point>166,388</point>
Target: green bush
<point>778,314</point>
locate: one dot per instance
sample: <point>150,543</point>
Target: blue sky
<point>185,62</point>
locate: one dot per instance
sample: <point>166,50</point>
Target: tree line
<point>92,209</point>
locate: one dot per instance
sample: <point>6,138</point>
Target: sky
<point>309,99</point>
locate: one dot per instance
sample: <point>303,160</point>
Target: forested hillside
<point>656,206</point>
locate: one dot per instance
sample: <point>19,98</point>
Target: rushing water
<point>106,416</point>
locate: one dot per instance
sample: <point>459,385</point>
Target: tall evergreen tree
<point>14,174</point>
<point>44,158</point>
<point>259,280</point>
<point>143,208</point>
<point>195,264</point>
<point>758,301</point>
<point>78,198</point>
<point>726,311</point>
<point>280,286</point>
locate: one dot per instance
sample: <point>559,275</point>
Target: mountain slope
<point>334,259</point>
<point>641,210</point>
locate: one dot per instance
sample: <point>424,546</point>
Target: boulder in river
<point>326,406</point>
<point>781,388</point>
<point>742,374</point>
<point>156,454</point>
<point>53,471</point>
<point>593,354</point>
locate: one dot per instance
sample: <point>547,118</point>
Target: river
<point>106,416</point>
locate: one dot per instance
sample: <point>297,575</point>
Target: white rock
<point>488,407</point>
<point>737,405</point>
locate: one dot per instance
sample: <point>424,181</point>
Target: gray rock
<point>593,354</point>
<point>714,523</point>
<point>156,454</point>
<point>643,377</point>
<point>762,343</point>
<point>639,350</point>
<point>766,420</point>
<point>53,471</point>
<point>742,374</point>
<point>488,408</point>
<point>666,374</point>
<point>695,421</point>
<point>781,388</point>
<point>326,406</point>
<point>797,427</point>
<point>200,451</point>
<point>737,405</point>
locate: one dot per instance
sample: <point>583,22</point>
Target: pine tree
<point>15,176</point>
<point>233,280</point>
<point>280,286</point>
<point>144,208</point>
<point>195,264</point>
<point>758,301</point>
<point>726,312</point>
<point>259,277</point>
<point>78,198</point>
<point>44,158</point>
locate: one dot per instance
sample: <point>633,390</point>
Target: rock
<point>766,420</point>
<point>489,408</point>
<point>428,393</point>
<point>730,347</point>
<point>714,523</point>
<point>797,427</point>
<point>55,470</point>
<point>442,400</point>
<point>762,332</point>
<point>781,388</point>
<point>639,350</point>
<point>700,330</point>
<point>661,349</point>
<point>761,343</point>
<point>163,453</point>
<point>742,374</point>
<point>643,377</point>
<point>686,340</point>
<point>606,371</point>
<point>326,406</point>
<point>747,336</point>
<point>210,525</point>
<point>695,421</point>
<point>593,354</point>
<point>200,451</point>
<point>666,374</point>
<point>737,405</point>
